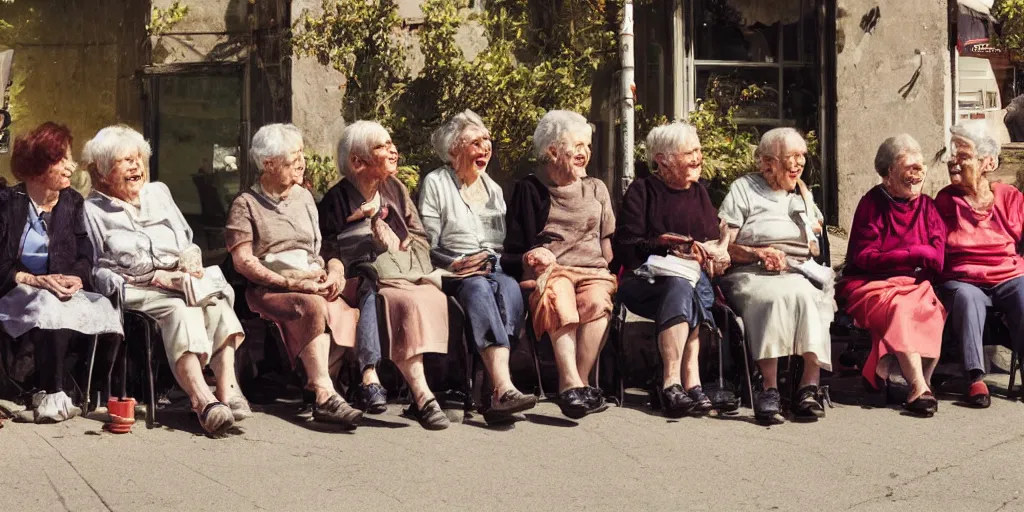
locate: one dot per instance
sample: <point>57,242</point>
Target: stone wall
<point>893,76</point>
<point>73,64</point>
<point>213,30</point>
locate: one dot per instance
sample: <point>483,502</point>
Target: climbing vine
<point>161,20</point>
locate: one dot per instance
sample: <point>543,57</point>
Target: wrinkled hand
<point>173,281</point>
<point>332,286</point>
<point>539,259</point>
<point>773,259</point>
<point>54,284</point>
<point>385,237</point>
<point>73,283</point>
<point>470,263</point>
<point>305,286</point>
<point>365,211</point>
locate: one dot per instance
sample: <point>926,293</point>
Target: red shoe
<point>978,396</point>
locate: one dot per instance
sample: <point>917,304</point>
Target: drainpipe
<point>627,88</point>
<point>678,84</point>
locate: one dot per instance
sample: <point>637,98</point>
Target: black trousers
<point>51,349</point>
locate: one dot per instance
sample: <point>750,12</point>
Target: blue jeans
<point>367,330</point>
<point>669,301</point>
<point>967,306</point>
<point>493,305</point>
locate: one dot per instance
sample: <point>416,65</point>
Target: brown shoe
<point>512,401</point>
<point>336,410</point>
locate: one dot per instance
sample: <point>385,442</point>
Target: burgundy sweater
<point>890,238</point>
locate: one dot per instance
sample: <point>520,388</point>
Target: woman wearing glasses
<point>773,223</point>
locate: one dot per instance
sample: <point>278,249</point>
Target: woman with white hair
<point>772,223</point>
<point>669,215</point>
<point>895,254</point>
<point>145,246</point>
<point>983,268</point>
<point>274,238</point>
<point>558,242</point>
<point>463,212</point>
<point>370,223</point>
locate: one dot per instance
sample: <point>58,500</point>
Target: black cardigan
<point>70,251</point>
<point>525,218</point>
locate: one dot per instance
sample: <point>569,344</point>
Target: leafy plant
<point>321,173</point>
<point>1010,36</point>
<point>161,20</point>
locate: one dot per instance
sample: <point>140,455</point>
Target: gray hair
<point>274,141</point>
<point>359,139</point>
<point>977,133</point>
<point>112,142</point>
<point>447,135</point>
<point>892,149</point>
<point>774,142</point>
<point>668,138</point>
<point>555,127</point>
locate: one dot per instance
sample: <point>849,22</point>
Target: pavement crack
<point>77,472</point>
<point>56,491</point>
<point>1006,503</point>
<point>214,480</point>
<point>891,490</point>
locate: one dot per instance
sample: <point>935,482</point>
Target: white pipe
<point>627,88</point>
<point>679,93</point>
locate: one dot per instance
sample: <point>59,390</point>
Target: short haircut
<point>111,142</point>
<point>892,149</point>
<point>554,128</point>
<point>447,135</point>
<point>276,140</point>
<point>667,138</point>
<point>36,152</point>
<point>359,139</point>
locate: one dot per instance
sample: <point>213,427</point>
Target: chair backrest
<point>210,200</point>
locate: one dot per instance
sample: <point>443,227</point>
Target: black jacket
<point>70,251</point>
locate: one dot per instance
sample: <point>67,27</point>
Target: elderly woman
<point>982,268</point>
<point>560,223</point>
<point>273,235</point>
<point>463,212</point>
<point>895,252</point>
<point>773,222</point>
<point>145,250</point>
<point>669,214</point>
<point>45,287</point>
<point>371,224</point>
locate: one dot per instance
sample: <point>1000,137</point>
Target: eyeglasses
<point>798,158</point>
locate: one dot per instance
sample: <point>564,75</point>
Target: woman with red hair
<point>45,268</point>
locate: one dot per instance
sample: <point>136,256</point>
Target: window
<point>771,45</point>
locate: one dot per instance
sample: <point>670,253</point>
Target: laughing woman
<point>896,251</point>
<point>463,213</point>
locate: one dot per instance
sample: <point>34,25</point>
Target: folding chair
<point>150,329</point>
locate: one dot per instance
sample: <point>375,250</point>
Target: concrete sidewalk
<point>625,458</point>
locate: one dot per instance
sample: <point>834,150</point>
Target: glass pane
<point>198,125</point>
<point>799,30</point>
<point>800,98</point>
<point>736,30</point>
<point>726,85</point>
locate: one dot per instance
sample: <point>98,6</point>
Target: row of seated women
<point>320,271</point>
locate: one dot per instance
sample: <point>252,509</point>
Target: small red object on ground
<point>122,415</point>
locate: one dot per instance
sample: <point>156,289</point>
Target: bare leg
<point>496,361</point>
<point>671,342</point>
<point>315,357</point>
<point>223,366</point>
<point>412,370</point>
<point>929,369</point>
<point>589,342</point>
<point>910,363</point>
<point>769,371</point>
<point>691,377</point>
<point>564,343</point>
<point>812,372</point>
<point>189,374</point>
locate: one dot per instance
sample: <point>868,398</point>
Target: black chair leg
<point>151,404</point>
<point>1014,366</point>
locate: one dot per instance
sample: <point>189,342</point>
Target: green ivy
<point>1010,37</point>
<point>161,20</point>
<point>321,172</point>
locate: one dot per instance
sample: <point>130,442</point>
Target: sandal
<point>430,416</point>
<point>701,402</point>
<point>216,418</point>
<point>336,410</point>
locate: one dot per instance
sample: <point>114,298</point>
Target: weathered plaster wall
<point>893,76</point>
<point>70,65</point>
<point>213,30</point>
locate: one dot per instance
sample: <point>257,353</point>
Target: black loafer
<point>373,398</point>
<point>925,405</point>
<point>807,404</point>
<point>701,402</point>
<point>676,402</point>
<point>768,407</point>
<point>594,398</point>
<point>572,403</point>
